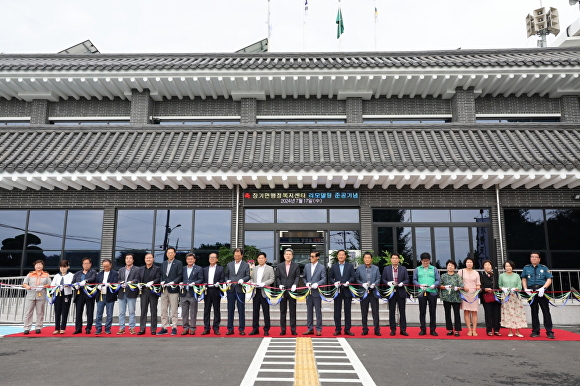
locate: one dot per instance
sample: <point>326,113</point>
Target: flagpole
<point>340,37</point>
<point>375,4</point>
<point>269,30</point>
<point>304,26</point>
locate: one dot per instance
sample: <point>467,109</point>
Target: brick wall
<point>90,108</point>
<point>463,106</point>
<point>141,107</point>
<point>570,105</point>
<point>517,105</point>
<point>14,108</point>
<point>248,110</point>
<point>406,106</point>
<point>39,112</point>
<point>354,110</point>
<point>196,107</point>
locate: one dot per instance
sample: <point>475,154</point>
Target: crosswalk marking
<point>284,361</point>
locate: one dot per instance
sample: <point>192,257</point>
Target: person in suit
<point>171,274</point>
<point>342,274</point>
<point>368,274</point>
<point>315,276</point>
<point>426,277</point>
<point>237,273</point>
<point>105,298</point>
<point>128,275</point>
<point>192,274</point>
<point>150,274</point>
<point>396,275</point>
<point>261,276</point>
<point>212,276</point>
<point>82,300</point>
<point>287,276</point>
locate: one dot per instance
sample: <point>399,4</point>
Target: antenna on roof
<point>86,47</point>
<point>543,23</point>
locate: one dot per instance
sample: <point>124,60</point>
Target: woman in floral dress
<point>512,311</point>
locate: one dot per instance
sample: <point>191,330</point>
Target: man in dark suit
<point>237,273</point>
<point>171,274</point>
<point>287,277</point>
<point>105,298</point>
<point>342,274</point>
<point>128,275</point>
<point>150,274</point>
<point>212,276</point>
<point>315,275</point>
<point>396,275</point>
<point>192,275</point>
<point>262,276</point>
<point>82,300</point>
<point>368,274</point>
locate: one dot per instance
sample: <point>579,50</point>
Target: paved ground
<point>223,361</point>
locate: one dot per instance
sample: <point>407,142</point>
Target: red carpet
<point>327,332</point>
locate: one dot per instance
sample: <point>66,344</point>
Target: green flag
<point>339,24</point>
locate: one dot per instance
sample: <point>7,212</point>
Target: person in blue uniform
<point>537,278</point>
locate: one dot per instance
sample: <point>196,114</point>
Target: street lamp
<point>168,231</point>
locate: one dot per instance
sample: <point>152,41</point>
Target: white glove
<point>528,291</point>
<point>513,290</point>
<point>76,286</point>
<point>401,284</point>
<point>262,285</point>
<point>366,286</point>
<point>456,288</point>
<point>61,287</point>
<point>346,284</point>
<point>149,284</point>
<point>241,281</point>
<point>432,286</point>
<point>308,285</point>
<point>372,285</point>
<point>162,283</point>
<point>170,283</point>
<point>282,287</point>
<point>108,285</point>
<point>337,284</point>
<point>422,286</point>
<point>100,287</point>
<point>228,282</point>
<point>82,283</point>
<point>541,291</point>
<point>293,288</point>
<point>391,283</point>
<point>216,285</point>
<point>448,287</point>
<point>505,291</point>
<point>315,285</point>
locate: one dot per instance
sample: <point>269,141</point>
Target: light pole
<point>168,231</point>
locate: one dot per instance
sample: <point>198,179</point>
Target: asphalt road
<point>223,361</point>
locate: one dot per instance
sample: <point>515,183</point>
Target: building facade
<point>457,153</point>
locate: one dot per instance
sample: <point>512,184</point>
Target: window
<point>200,231</point>
<point>90,122</point>
<point>443,233</point>
<point>259,216</point>
<point>552,232</point>
<point>300,121</point>
<point>264,241</point>
<point>48,235</point>
<point>409,121</point>
<point>517,120</point>
<point>300,215</point>
<point>196,122</point>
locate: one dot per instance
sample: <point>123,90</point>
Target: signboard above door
<point>302,197</point>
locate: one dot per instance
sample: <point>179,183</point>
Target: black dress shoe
<point>404,333</point>
<point>551,335</point>
<point>255,332</point>
<point>266,333</point>
<point>378,333</point>
<point>282,333</point>
<point>26,332</point>
<point>365,333</point>
<point>336,333</point>
<point>349,333</point>
<point>153,332</point>
<point>87,331</point>
<point>230,332</point>
<point>434,333</point>
<point>422,332</point>
<point>535,334</point>
<point>242,333</point>
<point>449,333</point>
<point>393,333</point>
<point>141,332</point>
<point>77,332</point>
<point>318,333</point>
<point>294,333</point>
<point>216,332</point>
<point>38,331</point>
<point>205,332</point>
<point>309,332</point>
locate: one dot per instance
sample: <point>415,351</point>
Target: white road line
<point>362,372</point>
<point>254,368</point>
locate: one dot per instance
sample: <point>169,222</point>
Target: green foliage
<point>227,254</point>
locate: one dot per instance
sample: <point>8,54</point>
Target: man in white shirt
<point>261,276</point>
<point>106,298</point>
<point>212,277</point>
<point>314,275</point>
<point>237,272</point>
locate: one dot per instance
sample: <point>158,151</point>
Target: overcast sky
<point>190,26</point>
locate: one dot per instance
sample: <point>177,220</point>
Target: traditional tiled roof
<point>358,149</point>
<point>284,61</point>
